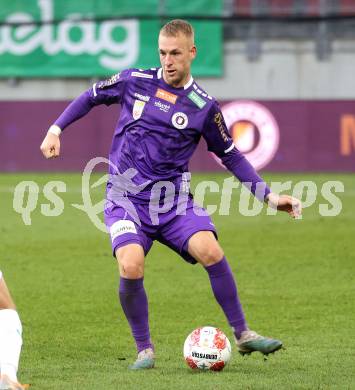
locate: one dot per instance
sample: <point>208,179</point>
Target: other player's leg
<point>10,340</point>
<point>134,301</point>
<point>204,247</point>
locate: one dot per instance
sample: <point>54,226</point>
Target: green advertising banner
<point>85,38</point>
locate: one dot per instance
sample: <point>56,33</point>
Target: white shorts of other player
<point>10,336</point>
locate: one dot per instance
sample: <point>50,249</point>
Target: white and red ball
<point>207,348</point>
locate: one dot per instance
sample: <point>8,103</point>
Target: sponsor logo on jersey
<point>143,75</point>
<point>107,83</point>
<point>162,106</point>
<point>180,120</point>
<point>200,103</point>
<point>137,109</point>
<point>218,119</point>
<point>254,131</point>
<point>165,95</point>
<point>122,227</point>
<point>142,97</point>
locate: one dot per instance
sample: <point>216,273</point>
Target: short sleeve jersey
<point>160,126</point>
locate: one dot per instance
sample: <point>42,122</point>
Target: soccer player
<point>10,340</point>
<point>164,113</point>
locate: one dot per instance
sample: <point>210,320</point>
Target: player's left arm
<point>220,142</point>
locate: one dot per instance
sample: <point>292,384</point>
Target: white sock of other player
<point>10,342</point>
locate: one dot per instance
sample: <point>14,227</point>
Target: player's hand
<point>51,146</point>
<point>291,205</point>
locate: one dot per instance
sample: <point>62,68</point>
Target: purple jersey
<point>158,131</point>
<point>160,126</point>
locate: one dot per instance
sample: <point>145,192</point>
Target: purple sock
<point>135,306</point>
<point>225,291</point>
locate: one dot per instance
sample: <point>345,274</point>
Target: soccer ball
<point>207,348</point>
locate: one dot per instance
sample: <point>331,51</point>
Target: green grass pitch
<point>296,280</point>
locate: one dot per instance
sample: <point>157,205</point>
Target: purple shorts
<point>172,229</point>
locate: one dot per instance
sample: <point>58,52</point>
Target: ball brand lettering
<point>204,355</point>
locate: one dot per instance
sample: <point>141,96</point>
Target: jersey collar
<point>186,86</point>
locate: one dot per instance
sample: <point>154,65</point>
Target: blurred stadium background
<point>283,71</point>
<point>295,57</point>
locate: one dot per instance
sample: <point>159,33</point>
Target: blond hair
<point>176,27</point>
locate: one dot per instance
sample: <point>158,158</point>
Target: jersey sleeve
<point>109,91</point>
<point>104,92</point>
<point>216,133</point>
<point>220,142</point>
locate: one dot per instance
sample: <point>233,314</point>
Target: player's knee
<point>131,261</point>
<point>7,305</point>
<point>131,270</point>
<point>130,267</point>
<point>210,254</point>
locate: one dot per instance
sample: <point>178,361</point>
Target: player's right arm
<point>220,142</point>
<point>104,92</point>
